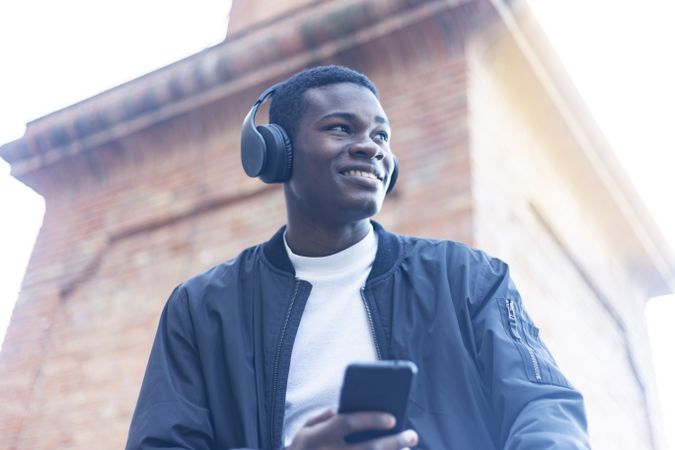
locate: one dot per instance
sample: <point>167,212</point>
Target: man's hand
<point>327,431</point>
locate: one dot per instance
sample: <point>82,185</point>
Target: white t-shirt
<point>334,330</point>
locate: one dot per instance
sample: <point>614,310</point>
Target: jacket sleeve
<point>172,411</point>
<point>535,406</point>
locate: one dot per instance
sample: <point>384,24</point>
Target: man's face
<point>342,161</point>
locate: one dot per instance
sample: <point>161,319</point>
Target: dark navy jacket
<point>217,373</point>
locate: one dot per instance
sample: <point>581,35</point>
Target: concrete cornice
<point>251,57</point>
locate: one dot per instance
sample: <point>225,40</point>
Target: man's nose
<point>366,148</point>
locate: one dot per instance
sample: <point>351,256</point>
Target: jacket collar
<point>388,250</point>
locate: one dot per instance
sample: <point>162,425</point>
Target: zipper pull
<point>513,323</point>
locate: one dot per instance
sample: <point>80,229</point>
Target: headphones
<point>266,150</point>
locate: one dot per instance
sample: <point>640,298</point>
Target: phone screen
<point>380,386</point>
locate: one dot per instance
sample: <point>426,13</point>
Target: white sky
<point>52,54</point>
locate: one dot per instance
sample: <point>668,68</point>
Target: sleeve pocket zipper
<point>515,332</point>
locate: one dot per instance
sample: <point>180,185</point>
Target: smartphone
<point>379,386</point>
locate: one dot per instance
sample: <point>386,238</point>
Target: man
<point>251,354</point>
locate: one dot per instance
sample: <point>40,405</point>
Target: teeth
<point>360,173</point>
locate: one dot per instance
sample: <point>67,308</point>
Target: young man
<point>251,354</point>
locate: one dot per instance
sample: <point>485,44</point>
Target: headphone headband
<point>266,93</point>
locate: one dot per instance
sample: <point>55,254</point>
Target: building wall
<point>484,158</point>
<point>534,209</point>
<point>127,222</point>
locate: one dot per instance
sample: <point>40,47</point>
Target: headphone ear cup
<point>393,177</point>
<point>279,154</point>
<point>253,150</point>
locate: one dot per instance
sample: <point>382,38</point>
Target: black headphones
<point>266,150</point>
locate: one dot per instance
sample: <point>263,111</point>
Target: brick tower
<point>143,188</point>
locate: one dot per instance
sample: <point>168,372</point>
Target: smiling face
<point>342,161</point>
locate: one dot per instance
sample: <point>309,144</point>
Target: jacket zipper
<point>516,334</point>
<point>371,323</point>
<point>277,358</point>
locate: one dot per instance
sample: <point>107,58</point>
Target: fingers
<point>328,430</point>
<point>400,441</point>
<point>360,421</point>
<point>322,417</point>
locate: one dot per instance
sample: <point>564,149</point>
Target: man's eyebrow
<point>382,120</point>
<point>352,117</point>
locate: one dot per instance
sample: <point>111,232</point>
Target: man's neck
<point>321,240</point>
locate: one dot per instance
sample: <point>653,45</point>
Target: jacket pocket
<point>538,362</point>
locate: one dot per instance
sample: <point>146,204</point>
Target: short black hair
<point>288,105</point>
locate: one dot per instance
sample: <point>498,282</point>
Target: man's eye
<point>383,136</point>
<point>339,127</point>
